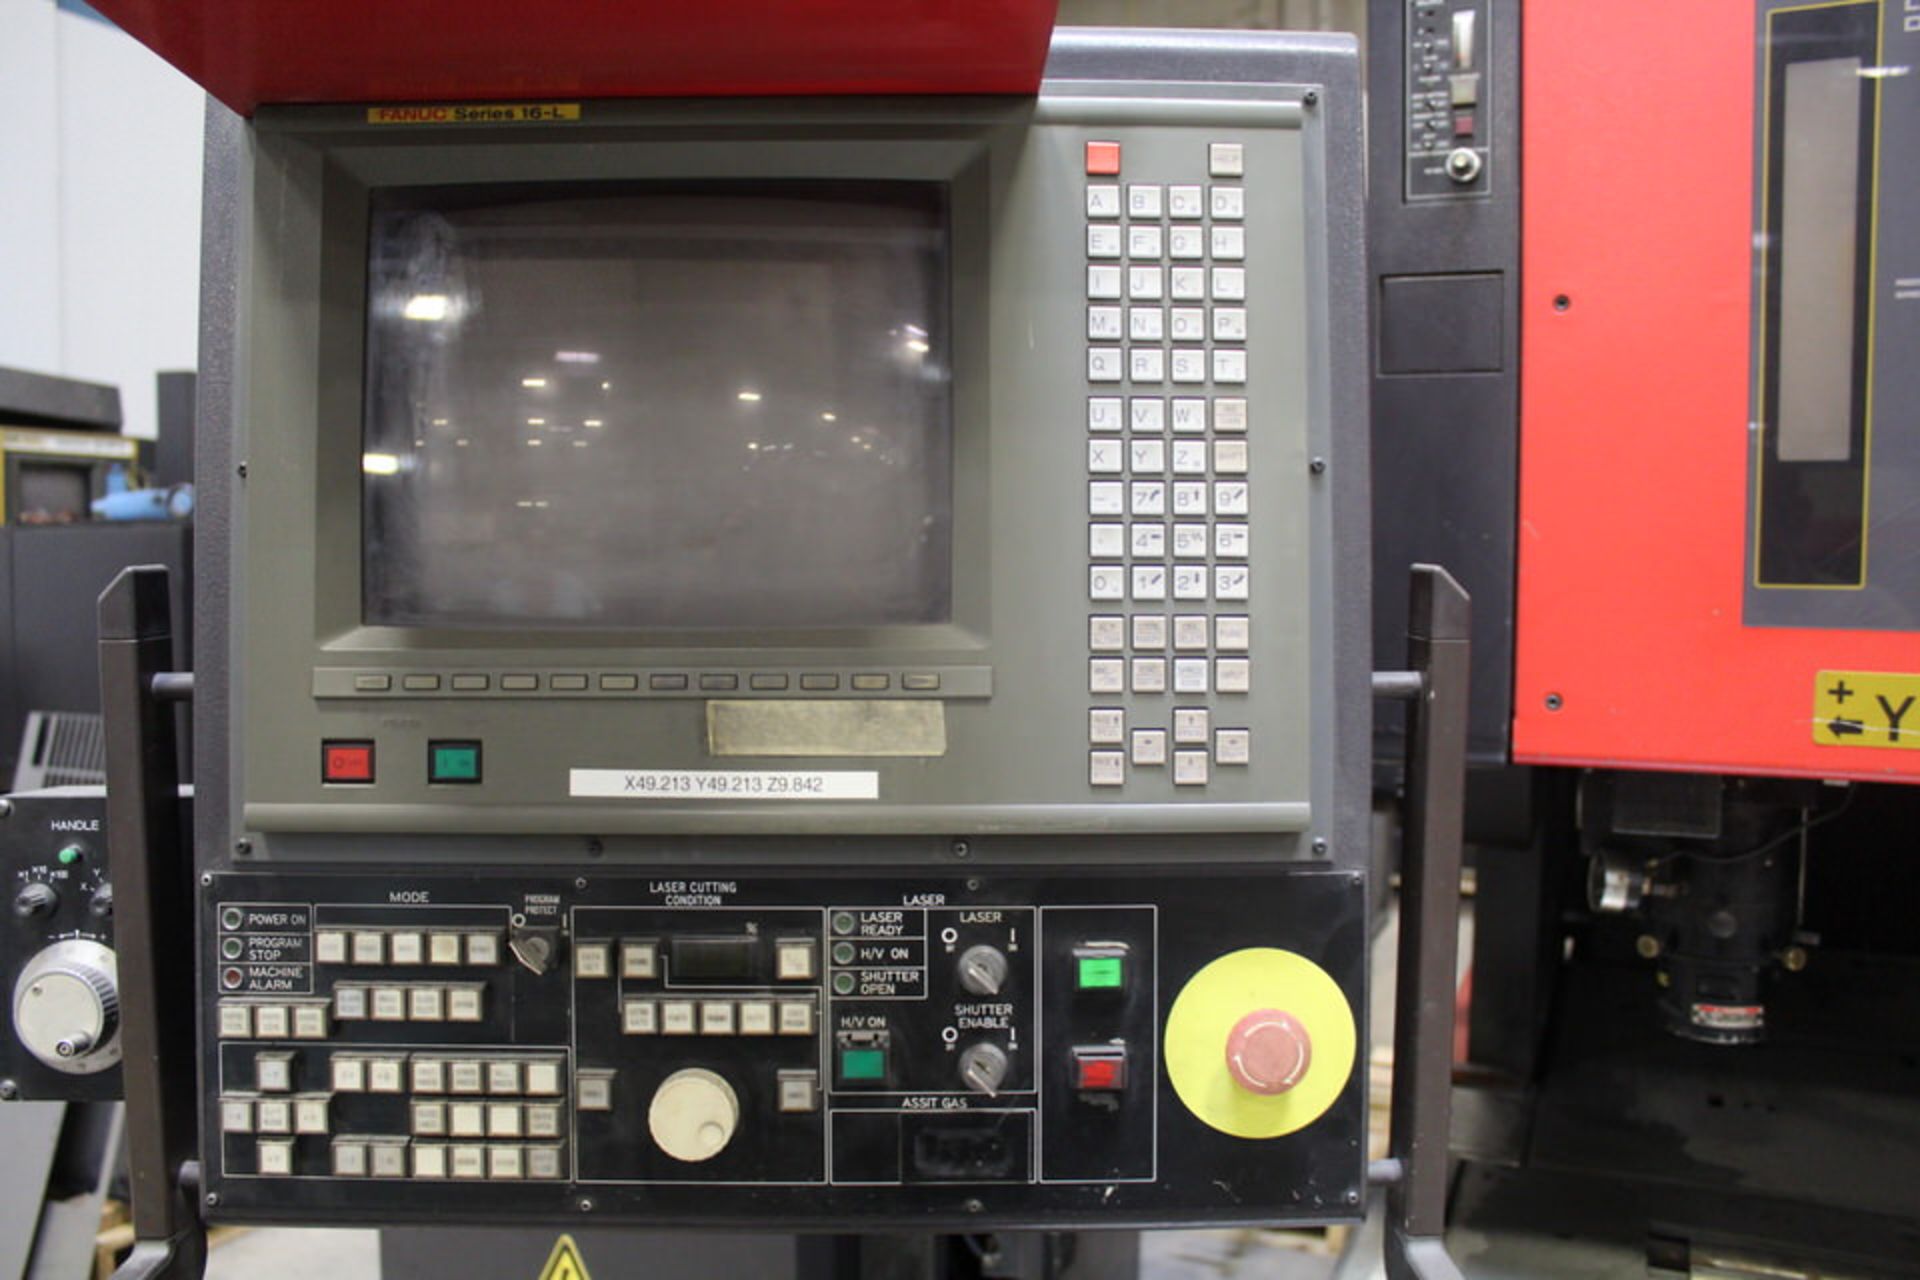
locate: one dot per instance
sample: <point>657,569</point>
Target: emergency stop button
<point>1103,158</point>
<point>346,761</point>
<point>1268,1051</point>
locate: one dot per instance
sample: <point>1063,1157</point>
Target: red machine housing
<point>246,53</point>
<point>1636,388</point>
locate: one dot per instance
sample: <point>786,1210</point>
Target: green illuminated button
<point>69,855</point>
<point>453,762</point>
<point>1102,973</point>
<point>863,1064</point>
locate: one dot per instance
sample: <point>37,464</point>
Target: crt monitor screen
<point>717,405</point>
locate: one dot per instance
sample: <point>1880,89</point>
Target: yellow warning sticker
<point>1866,709</point>
<point>474,113</point>
<point>564,1262</point>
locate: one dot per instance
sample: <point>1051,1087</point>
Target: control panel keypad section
<point>678,1047</point>
<point>1448,98</point>
<point>1169,538</point>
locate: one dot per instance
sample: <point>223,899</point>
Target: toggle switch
<point>1464,24</point>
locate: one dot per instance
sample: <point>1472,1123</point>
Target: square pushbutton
<point>453,763</point>
<point>1103,158</point>
<point>1100,1068</point>
<point>1099,968</point>
<point>794,959</point>
<point>348,762</point>
<point>863,1064</point>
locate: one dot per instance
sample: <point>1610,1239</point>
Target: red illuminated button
<point>346,762</point>
<point>1102,1069</point>
<point>1268,1052</point>
<point>1463,124</point>
<point>1103,158</point>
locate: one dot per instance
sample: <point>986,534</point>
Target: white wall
<point>99,205</point>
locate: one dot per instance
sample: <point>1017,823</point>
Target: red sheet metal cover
<point>246,52</point>
<point>1638,212</point>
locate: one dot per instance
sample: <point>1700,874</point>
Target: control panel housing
<point>56,948</point>
<point>1189,523</point>
<point>699,1045</point>
<point>806,927</point>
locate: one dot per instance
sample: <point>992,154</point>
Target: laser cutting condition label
<point>723,784</point>
<point>1866,709</point>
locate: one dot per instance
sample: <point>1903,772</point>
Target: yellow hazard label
<point>474,113</point>
<point>1866,709</point>
<point>564,1262</point>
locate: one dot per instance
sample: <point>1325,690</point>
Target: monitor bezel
<point>353,170</point>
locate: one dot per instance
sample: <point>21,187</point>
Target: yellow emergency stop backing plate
<point>1216,998</point>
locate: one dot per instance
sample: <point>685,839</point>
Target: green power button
<point>70,855</point>
<point>453,762</point>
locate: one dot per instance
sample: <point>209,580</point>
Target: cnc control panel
<point>1449,92</point>
<point>58,972</point>
<point>678,1046</point>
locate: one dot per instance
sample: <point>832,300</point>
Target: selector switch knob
<point>66,1007</point>
<point>536,947</point>
<point>693,1115</point>
<point>1268,1052</point>
<point>35,901</point>
<point>983,1067</point>
<point>983,970</point>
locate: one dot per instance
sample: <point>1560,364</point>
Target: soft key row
<point>639,1017</point>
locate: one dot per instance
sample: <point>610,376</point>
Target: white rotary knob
<point>694,1114</point>
<point>66,1007</point>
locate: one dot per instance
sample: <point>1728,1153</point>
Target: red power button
<point>346,762</point>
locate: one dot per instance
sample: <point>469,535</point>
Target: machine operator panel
<point>645,1043</point>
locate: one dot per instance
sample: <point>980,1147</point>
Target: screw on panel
<point>241,471</point>
<point>6,808</point>
<point>585,1204</point>
<point>972,884</point>
<point>961,849</point>
<point>595,848</point>
<point>213,1198</point>
<point>974,1206</point>
<point>9,1090</point>
<point>206,879</point>
<point>580,882</point>
<point>1353,1197</point>
<point>242,848</point>
<point>1310,98</point>
<point>1318,466</point>
<point>1555,702</point>
<point>1320,845</point>
<point>1561,302</point>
